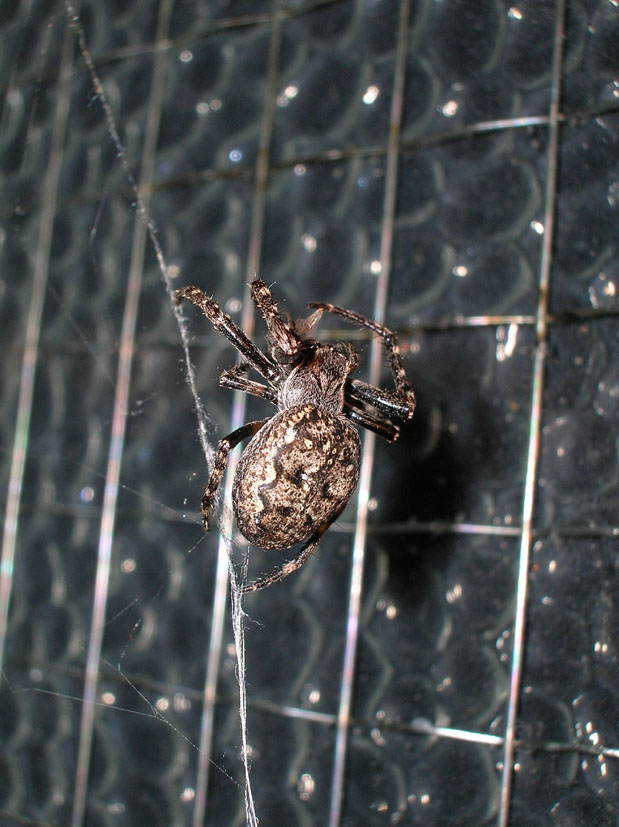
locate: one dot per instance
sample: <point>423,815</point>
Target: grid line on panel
<point>238,416</point>
<point>119,425</point>
<point>535,422</point>
<point>423,727</point>
<point>32,335</point>
<point>369,439</point>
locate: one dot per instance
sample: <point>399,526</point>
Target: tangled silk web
<point>205,425</point>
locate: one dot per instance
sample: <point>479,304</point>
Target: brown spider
<point>302,465</point>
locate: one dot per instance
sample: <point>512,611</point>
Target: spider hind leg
<point>291,565</point>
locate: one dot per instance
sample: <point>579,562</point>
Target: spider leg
<point>403,388</point>
<point>284,337</point>
<point>224,324</point>
<point>375,423</point>
<point>221,463</point>
<point>389,404</point>
<point>292,565</point>
<point>235,380</point>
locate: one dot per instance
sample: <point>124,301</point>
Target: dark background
<point>489,171</point>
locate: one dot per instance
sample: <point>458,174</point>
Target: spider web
<point>205,430</point>
<point>205,423</point>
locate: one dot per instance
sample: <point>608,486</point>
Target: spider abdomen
<point>296,474</point>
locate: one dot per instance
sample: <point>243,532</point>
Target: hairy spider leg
<point>234,379</point>
<point>284,337</point>
<point>224,447</point>
<point>224,324</point>
<point>400,379</point>
<point>380,426</point>
<point>388,403</point>
<point>292,565</point>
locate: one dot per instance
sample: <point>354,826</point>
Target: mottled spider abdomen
<point>295,475</point>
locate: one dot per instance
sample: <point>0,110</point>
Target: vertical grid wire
<point>369,441</point>
<point>238,417</point>
<point>33,331</point>
<point>119,424</point>
<point>537,391</point>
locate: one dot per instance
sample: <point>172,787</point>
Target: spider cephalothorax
<point>301,466</point>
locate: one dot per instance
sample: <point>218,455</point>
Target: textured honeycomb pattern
<point>455,221</point>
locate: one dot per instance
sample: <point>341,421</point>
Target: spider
<point>301,466</point>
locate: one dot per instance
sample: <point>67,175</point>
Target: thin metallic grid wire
<point>119,424</point>
<point>369,441</point>
<point>238,417</point>
<point>33,331</point>
<point>535,423</point>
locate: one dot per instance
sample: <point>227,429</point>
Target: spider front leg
<point>402,385</point>
<point>221,463</point>
<point>285,338</point>
<point>224,324</point>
